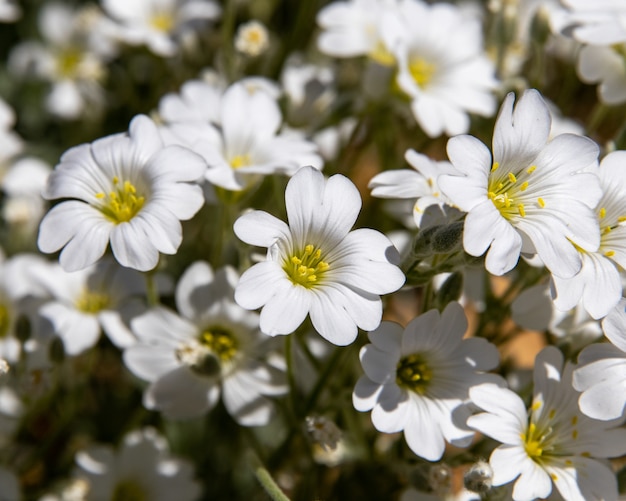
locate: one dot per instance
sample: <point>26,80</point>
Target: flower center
<point>162,21</point>
<point>205,354</point>
<point>67,62</point>
<point>381,55</point>
<point>306,268</point>
<point>533,442</point>
<point>413,373</point>
<point>220,341</point>
<point>129,490</point>
<point>506,192</point>
<point>5,320</point>
<point>422,71</point>
<point>121,204</point>
<point>92,301</point>
<point>240,161</point>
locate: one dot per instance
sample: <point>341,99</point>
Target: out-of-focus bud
<point>540,27</point>
<point>450,290</point>
<point>440,479</point>
<point>323,431</point>
<point>479,477</point>
<point>252,38</point>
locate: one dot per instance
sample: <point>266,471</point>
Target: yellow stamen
<point>609,253</point>
<point>512,177</point>
<point>602,213</point>
<point>306,268</point>
<point>520,208</point>
<point>422,71</point>
<point>531,169</point>
<point>495,166</point>
<point>524,186</point>
<point>541,202</point>
<point>121,204</point>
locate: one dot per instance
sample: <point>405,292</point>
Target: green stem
<point>152,293</point>
<point>265,479</point>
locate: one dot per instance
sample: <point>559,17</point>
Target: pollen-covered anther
<point>306,268</point>
<point>512,177</point>
<point>122,203</point>
<point>602,213</point>
<point>541,202</point>
<point>521,210</point>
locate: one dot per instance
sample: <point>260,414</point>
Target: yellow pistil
<point>121,204</point>
<point>240,161</point>
<point>306,268</point>
<point>221,342</point>
<point>5,320</point>
<point>381,55</point>
<point>129,490</point>
<point>67,62</point>
<point>422,71</point>
<point>533,442</point>
<point>413,373</point>
<point>162,21</point>
<point>92,301</point>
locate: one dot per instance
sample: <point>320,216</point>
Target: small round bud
<point>479,477</point>
<point>252,38</point>
<point>323,431</point>
<point>440,479</point>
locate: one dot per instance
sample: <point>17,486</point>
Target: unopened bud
<point>323,431</point>
<point>440,479</point>
<point>447,238</point>
<point>450,290</point>
<point>479,477</point>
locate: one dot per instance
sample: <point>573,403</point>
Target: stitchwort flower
<point>129,190</point>
<point>552,442</point>
<point>533,195</point>
<point>417,379</point>
<point>316,265</point>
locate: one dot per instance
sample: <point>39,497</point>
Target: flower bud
<point>479,477</point>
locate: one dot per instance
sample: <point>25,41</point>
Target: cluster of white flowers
<point>224,281</point>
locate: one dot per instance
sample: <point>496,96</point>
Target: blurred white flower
<point>248,144</point>
<point>102,297</point>
<point>10,143</point>
<point>212,346</point>
<point>9,11</point>
<point>604,65</point>
<point>448,77</point>
<point>353,28</point>
<point>417,379</point>
<point>552,442</point>
<point>159,24</point>
<point>419,184</point>
<point>316,265</point>
<point>598,283</point>
<point>130,190</point>
<point>601,372</point>
<point>72,57</point>
<point>532,196</point>
<point>142,468</point>
<point>252,38</point>
<point>601,22</point>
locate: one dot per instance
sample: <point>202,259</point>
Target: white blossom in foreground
<point>601,372</point>
<point>419,184</point>
<point>248,144</point>
<point>417,379</point>
<point>102,297</point>
<point>316,265</point>
<point>159,24</point>
<point>353,28</point>
<point>129,190</point>
<point>598,283</point>
<point>212,347</point>
<point>448,77</point>
<point>552,442</point>
<point>142,468</point>
<point>531,196</point>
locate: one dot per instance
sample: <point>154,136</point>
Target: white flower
<point>531,196</point>
<point>126,189</point>
<point>446,77</point>
<point>9,11</point>
<point>197,101</point>
<point>10,142</point>
<point>417,379</point>
<point>353,28</point>
<point>72,58</point>
<point>212,347</point>
<point>604,65</point>
<point>158,23</point>
<point>552,443</point>
<point>419,184</point>
<point>601,375</point>
<point>101,297</point>
<point>316,265</point>
<point>248,144</point>
<point>142,468</point>
<point>598,283</point>
<point>252,38</point>
<point>601,22</point>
